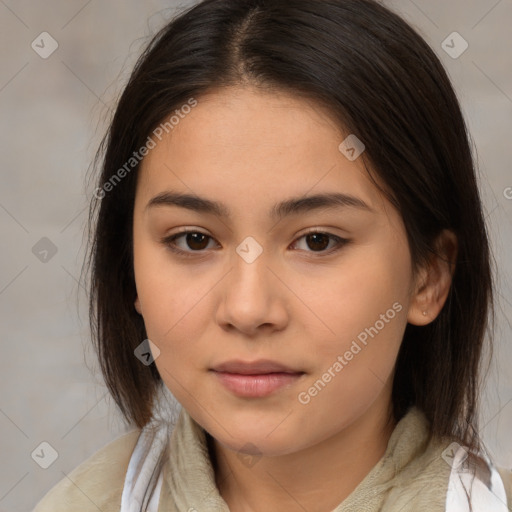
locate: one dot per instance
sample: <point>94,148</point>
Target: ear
<point>433,281</point>
<point>137,305</point>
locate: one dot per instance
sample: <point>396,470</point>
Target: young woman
<point>287,235</point>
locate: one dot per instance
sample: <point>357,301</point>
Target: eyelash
<point>169,243</point>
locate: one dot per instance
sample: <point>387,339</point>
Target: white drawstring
<point>141,492</point>
<point>144,476</point>
<point>488,494</point>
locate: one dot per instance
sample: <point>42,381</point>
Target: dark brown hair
<point>383,83</point>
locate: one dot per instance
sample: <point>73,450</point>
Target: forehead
<point>245,144</point>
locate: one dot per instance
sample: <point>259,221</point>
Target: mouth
<point>255,379</point>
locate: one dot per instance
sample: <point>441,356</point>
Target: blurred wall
<point>52,111</point>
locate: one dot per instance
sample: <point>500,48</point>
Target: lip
<point>259,367</point>
<point>255,379</point>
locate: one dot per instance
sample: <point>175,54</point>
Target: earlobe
<point>434,281</point>
<point>137,305</point>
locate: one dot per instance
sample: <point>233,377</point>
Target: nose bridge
<point>251,294</point>
<point>248,284</point>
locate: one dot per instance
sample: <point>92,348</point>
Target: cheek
<point>166,290</point>
<point>173,298</point>
<point>174,316</point>
<point>364,302</point>
<point>353,366</point>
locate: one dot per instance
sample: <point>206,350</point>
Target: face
<point>320,288</point>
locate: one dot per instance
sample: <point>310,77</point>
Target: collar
<point>189,478</point>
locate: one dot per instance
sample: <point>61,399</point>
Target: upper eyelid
<point>310,230</point>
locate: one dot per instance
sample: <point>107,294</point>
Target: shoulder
<point>97,483</point>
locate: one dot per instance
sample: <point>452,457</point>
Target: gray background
<point>53,113</point>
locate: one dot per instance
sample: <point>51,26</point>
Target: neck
<point>316,479</point>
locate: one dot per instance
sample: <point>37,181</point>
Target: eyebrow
<point>292,206</point>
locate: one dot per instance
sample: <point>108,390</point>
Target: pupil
<point>192,238</point>
<point>318,239</point>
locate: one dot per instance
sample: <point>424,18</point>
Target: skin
<point>295,304</point>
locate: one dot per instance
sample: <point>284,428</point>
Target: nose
<point>253,299</point>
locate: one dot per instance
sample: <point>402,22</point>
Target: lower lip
<point>256,385</point>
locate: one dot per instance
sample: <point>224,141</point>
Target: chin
<point>261,439</point>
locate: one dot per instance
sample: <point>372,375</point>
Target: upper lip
<point>259,367</point>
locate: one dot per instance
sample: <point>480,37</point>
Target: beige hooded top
<point>413,475</point>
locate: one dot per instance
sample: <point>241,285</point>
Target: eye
<point>318,241</point>
<point>197,242</point>
<point>194,240</point>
